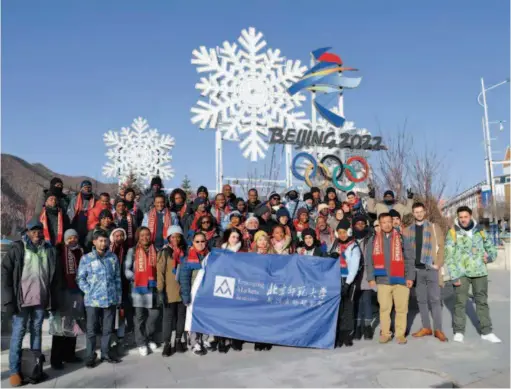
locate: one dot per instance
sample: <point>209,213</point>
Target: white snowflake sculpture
<point>143,153</point>
<point>246,92</point>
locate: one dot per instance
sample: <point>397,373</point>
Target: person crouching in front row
<point>347,250</point>
<point>168,267</point>
<point>140,269</point>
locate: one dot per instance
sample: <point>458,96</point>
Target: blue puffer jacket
<point>187,273</point>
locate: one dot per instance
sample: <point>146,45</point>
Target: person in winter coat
<point>316,195</point>
<point>241,207</point>
<point>263,214</point>
<point>293,202</point>
<point>158,220</point>
<point>348,252</point>
<point>284,220</point>
<point>57,188</point>
<point>389,202</point>
<point>251,227</point>
<point>467,251</point>
<point>331,194</point>
<point>253,200</point>
<point>79,208</point>
<point>325,234</point>
<point>363,299</point>
<point>280,241</point>
<point>220,210</point>
<point>301,222</point>
<point>235,221</point>
<point>396,220</point>
<point>194,262</point>
<point>105,223</point>
<point>324,211</point>
<point>147,198</point>
<point>132,206</point>
<point>355,203</point>
<point>309,245</point>
<point>202,192</point>
<point>190,226</point>
<point>347,211</point>
<point>54,220</point>
<point>274,204</point>
<point>30,286</point>
<point>93,214</point>
<point>140,270</point>
<point>428,240</point>
<point>169,291</point>
<point>119,247</point>
<point>178,205</point>
<point>125,220</point>
<point>390,264</point>
<point>230,197</point>
<point>334,222</point>
<point>99,278</point>
<point>69,254</point>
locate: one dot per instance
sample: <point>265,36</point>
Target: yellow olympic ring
<point>308,171</point>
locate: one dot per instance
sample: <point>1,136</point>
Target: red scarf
<point>218,213</point>
<point>342,256</point>
<point>70,259</point>
<point>177,253</point>
<point>299,227</point>
<point>397,265</point>
<point>194,262</point>
<point>153,221</point>
<point>182,213</point>
<point>43,218</point>
<point>209,234</point>
<point>118,249</point>
<point>197,216</point>
<point>144,269</point>
<point>79,204</point>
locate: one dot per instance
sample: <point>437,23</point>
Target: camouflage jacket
<point>464,252</point>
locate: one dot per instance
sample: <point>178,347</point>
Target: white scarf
<point>234,248</point>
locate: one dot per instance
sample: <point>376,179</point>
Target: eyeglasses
<point>206,222</point>
<point>199,241</point>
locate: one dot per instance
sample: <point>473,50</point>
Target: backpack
<point>32,366</point>
<point>454,235</point>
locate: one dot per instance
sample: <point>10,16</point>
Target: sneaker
<point>458,337</point>
<point>153,346</point>
<point>198,350</point>
<point>143,351</point>
<point>492,338</point>
<point>15,380</point>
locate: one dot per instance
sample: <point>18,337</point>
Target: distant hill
<point>21,183</point>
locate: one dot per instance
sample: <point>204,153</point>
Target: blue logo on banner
<point>290,300</point>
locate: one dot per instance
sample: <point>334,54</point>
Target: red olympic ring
<point>364,163</point>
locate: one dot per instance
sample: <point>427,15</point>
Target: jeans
<point>480,292</point>
<point>145,325</point>
<point>28,315</point>
<point>170,311</point>
<point>108,317</point>
<point>429,294</point>
<point>365,308</point>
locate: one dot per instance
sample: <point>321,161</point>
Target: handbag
<point>67,326</point>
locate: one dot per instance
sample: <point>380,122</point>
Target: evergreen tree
<point>186,186</point>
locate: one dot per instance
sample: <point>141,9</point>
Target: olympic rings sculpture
<point>334,176</point>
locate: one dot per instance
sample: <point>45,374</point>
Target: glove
<point>186,300</point>
<point>161,299</point>
<point>345,289</point>
<point>334,255</point>
<point>372,192</point>
<point>409,193</point>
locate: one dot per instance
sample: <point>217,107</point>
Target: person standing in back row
<point>389,202</point>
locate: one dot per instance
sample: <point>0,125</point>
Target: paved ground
<point>420,363</point>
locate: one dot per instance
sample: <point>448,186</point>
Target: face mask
<point>388,202</point>
<point>57,190</point>
<point>292,196</point>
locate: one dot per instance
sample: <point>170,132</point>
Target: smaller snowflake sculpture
<point>139,152</point>
<point>246,92</point>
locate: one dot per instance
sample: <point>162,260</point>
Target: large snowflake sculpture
<point>246,92</point>
<point>138,151</point>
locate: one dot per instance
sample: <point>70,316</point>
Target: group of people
<point>128,265</point>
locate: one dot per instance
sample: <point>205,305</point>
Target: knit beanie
<point>156,180</point>
<point>322,206</point>
<point>202,189</point>
<point>344,224</point>
<point>250,219</point>
<point>49,194</point>
<point>261,210</point>
<point>307,196</point>
<point>174,230</point>
<point>282,212</point>
<point>389,192</point>
<point>394,213</point>
<point>85,183</point>
<point>358,218</point>
<point>117,230</point>
<point>300,211</point>
<point>198,201</point>
<point>69,233</point>
<point>104,214</point>
<point>259,234</point>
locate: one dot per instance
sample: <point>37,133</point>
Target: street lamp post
<point>489,170</point>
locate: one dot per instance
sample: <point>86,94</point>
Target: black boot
<point>267,346</point>
<point>339,341</point>
<point>368,332</point>
<point>167,350</point>
<point>236,345</point>
<point>222,348</point>
<point>180,346</point>
<point>358,333</point>
<point>348,339</point>
<point>258,346</point>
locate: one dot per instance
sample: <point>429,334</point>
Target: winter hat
<point>156,180</point>
<point>344,224</point>
<point>198,201</point>
<point>307,196</point>
<point>261,210</point>
<point>34,224</point>
<point>69,233</point>
<point>322,206</point>
<point>300,211</point>
<point>105,213</point>
<point>394,213</point>
<point>389,192</point>
<point>330,190</point>
<point>315,189</point>
<point>85,183</point>
<point>116,230</point>
<point>54,181</point>
<point>282,212</point>
<point>351,193</point>
<point>174,230</point>
<point>49,194</point>
<point>202,189</point>
<point>308,232</point>
<point>259,234</point>
<point>358,218</point>
<point>250,219</point>
<point>233,214</point>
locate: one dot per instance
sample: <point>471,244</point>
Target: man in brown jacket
<point>389,202</point>
<point>428,241</point>
<point>167,272</point>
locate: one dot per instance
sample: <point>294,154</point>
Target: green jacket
<point>464,252</point>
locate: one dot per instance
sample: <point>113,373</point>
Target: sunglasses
<point>199,241</point>
<point>206,222</point>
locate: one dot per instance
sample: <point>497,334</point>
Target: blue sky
<point>74,69</point>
